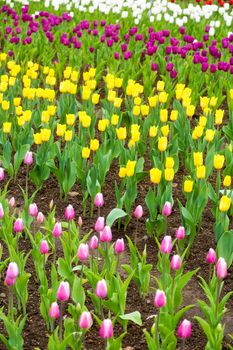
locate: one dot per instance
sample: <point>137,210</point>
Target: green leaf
<point>114,215</point>
<point>225,247</point>
<point>135,317</point>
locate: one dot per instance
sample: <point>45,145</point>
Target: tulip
<point>12,271</point>
<point>175,262</point>
<point>33,210</point>
<point>2,174</point>
<point>69,213</point>
<point>57,229</point>
<point>99,200</point>
<point>224,204</point>
<point>180,233</point>
<point>106,234</point>
<point>1,211</point>
<point>99,225</point>
<point>83,252</point>
<point>40,217</point>
<point>221,268</point>
<point>166,245</point>
<point>167,209</point>
<point>211,256</point>
<point>138,212</point>
<point>63,292</point>
<point>80,221</point>
<point>85,320</point>
<point>11,202</point>
<point>106,329</point>
<point>184,329</point>
<point>18,225</point>
<point>93,244</point>
<point>160,299</point>
<point>101,289</point>
<point>54,311</point>
<point>28,159</point>
<point>44,247</point>
<point>119,246</point>
<point>10,281</point>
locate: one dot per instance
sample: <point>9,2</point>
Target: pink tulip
<point>2,174</point>
<point>57,229</point>
<point>167,209</point>
<point>40,218</point>
<point>28,159</point>
<point>44,247</point>
<point>93,244</point>
<point>85,321</point>
<point>11,202</point>
<point>175,262</point>
<point>106,329</point>
<point>221,268</point>
<point>33,210</point>
<point>101,289</point>
<point>211,256</point>
<point>99,225</point>
<point>166,245</point>
<point>1,211</point>
<point>69,213</point>
<point>83,252</point>
<point>18,225</point>
<point>184,329</point>
<point>12,270</point>
<point>80,221</point>
<point>99,200</point>
<point>180,233</point>
<point>10,281</point>
<point>106,234</point>
<point>54,311</point>
<point>63,292</point>
<point>119,246</point>
<point>138,212</point>
<point>160,299</point>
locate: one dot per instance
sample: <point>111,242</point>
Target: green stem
<point>11,304</point>
<point>55,251</point>
<point>26,190</point>
<point>61,321</point>
<point>157,331</point>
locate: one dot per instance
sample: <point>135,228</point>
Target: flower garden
<point>116,166</point>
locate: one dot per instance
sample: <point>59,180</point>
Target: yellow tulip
<point>165,130</point>
<point>122,172</point>
<point>121,133</point>
<point>145,110</point>
<point>227,181</point>
<point>45,134</point>
<point>201,172</point>
<point>136,110</point>
<point>155,175</point>
<point>68,135</point>
<point>5,105</point>
<point>204,102</point>
<point>153,131</point>
<point>209,135</point>
<point>114,119</point>
<point>86,121</point>
<point>94,145</point>
<point>37,138</point>
<point>7,127</point>
<point>103,124</point>
<point>160,85</point>
<point>224,204</point>
<point>17,101</point>
<point>95,99</point>
<point>162,143</point>
<point>137,101</point>
<point>219,114</point>
<point>130,168</point>
<point>153,100</point>
<point>169,174</point>
<point>163,115</point>
<point>117,102</point>
<point>118,82</point>
<point>111,95</point>
<point>45,116</point>
<point>188,186</point>
<point>163,97</point>
<point>169,163</point>
<point>190,110</point>
<point>85,152</point>
<point>61,129</point>
<point>213,101</point>
<point>174,115</point>
<point>218,161</point>
<point>197,158</point>
<point>202,121</point>
<point>70,119</point>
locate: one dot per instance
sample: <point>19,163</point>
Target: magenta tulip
<point>106,329</point>
<point>85,320</point>
<point>184,329</point>
<point>119,246</point>
<point>160,299</point>
<point>166,245</point>
<point>99,200</point>
<point>138,212</point>
<point>106,234</point>
<point>18,225</point>
<point>54,311</point>
<point>167,209</point>
<point>63,292</point>
<point>99,225</point>
<point>33,210</point>
<point>180,233</point>
<point>2,174</point>
<point>1,211</point>
<point>44,247</point>
<point>94,241</point>
<point>69,213</point>
<point>83,252</point>
<point>211,256</point>
<point>57,229</point>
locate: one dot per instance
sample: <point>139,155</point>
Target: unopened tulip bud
<point>211,256</point>
<point>69,213</point>
<point>99,225</point>
<point>221,268</point>
<point>166,245</point>
<point>85,321</point>
<point>51,205</point>
<point>11,202</point>
<point>101,289</point>
<point>10,281</point>
<point>175,262</point>
<point>44,247</point>
<point>2,174</point>
<point>138,212</point>
<point>119,246</point>
<point>18,225</point>
<point>1,211</point>
<point>184,329</point>
<point>160,299</point>
<point>93,244</point>
<point>63,292</point>
<point>33,210</point>
<point>80,221</point>
<point>11,274</point>
<point>99,200</point>
<point>106,329</point>
<point>57,229</point>
<point>28,159</point>
<point>83,252</point>
<point>54,311</point>
<point>40,218</point>
<point>106,234</point>
<point>167,209</point>
<point>180,233</point>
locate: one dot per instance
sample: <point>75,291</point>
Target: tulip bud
<point>166,245</point>
<point>18,225</point>
<point>175,262</point>
<point>40,218</point>
<point>101,289</point>
<point>12,271</point>
<point>51,205</point>
<point>69,212</point>
<point>180,233</point>
<point>33,210</point>
<point>57,229</point>
<point>221,268</point>
<point>85,321</point>
<point>28,159</point>
<point>11,202</point>
<point>160,299</point>
<point>119,246</point>
<point>80,221</point>
<point>167,209</point>
<point>99,200</point>
<point>106,234</point>
<point>138,212</point>
<point>211,256</point>
<point>184,329</point>
<point>106,329</point>
<point>99,225</point>
<point>2,174</point>
<point>83,252</point>
<point>63,292</point>
<point>93,244</point>
<point>44,247</point>
<point>10,281</point>
<point>54,311</point>
<point>1,211</point>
